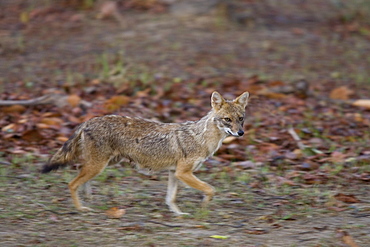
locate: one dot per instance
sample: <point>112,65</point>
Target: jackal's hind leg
<point>87,172</point>
<point>171,193</point>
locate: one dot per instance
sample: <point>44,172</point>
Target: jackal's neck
<point>207,128</point>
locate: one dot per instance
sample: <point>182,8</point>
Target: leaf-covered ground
<point>299,177</point>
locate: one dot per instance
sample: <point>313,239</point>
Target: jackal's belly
<point>149,169</point>
<point>152,161</point>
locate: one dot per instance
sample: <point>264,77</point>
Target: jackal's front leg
<point>171,193</point>
<point>185,174</point>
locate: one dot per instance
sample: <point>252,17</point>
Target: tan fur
<point>153,146</point>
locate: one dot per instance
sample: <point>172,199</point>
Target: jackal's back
<point>151,145</point>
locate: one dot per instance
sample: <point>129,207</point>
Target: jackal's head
<point>229,115</point>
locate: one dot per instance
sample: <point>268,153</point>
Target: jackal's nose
<point>240,132</point>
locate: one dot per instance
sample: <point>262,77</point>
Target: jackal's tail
<point>68,153</point>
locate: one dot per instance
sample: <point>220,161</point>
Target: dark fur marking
<point>181,147</point>
<point>137,140</point>
<point>66,146</point>
<point>51,167</point>
<point>87,131</point>
<point>89,134</point>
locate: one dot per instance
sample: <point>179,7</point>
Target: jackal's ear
<point>242,99</point>
<point>217,101</point>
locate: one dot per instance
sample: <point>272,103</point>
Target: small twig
<point>50,210</point>
<point>361,215</point>
<point>163,224</point>
<point>5,163</point>
<point>40,204</point>
<point>55,212</point>
<point>227,225</point>
<point>307,239</point>
<point>292,132</point>
<point>238,225</point>
<point>5,176</point>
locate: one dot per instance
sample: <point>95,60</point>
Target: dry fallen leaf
<point>200,226</point>
<point>284,181</point>
<point>74,100</point>
<point>362,103</point>
<point>58,200</point>
<point>256,231</point>
<point>116,102</point>
<point>337,209</point>
<point>62,138</point>
<point>115,213</point>
<point>298,31</point>
<point>9,128</point>
<point>107,9</point>
<point>32,135</point>
<point>365,177</point>
<point>358,117</point>
<point>270,94</point>
<point>143,93</point>
<point>346,198</point>
<point>341,93</point>
<point>346,238</point>
<point>219,237</point>
<point>13,109</point>
<point>43,126</point>
<point>52,121</point>
<point>254,88</point>
<point>131,228</point>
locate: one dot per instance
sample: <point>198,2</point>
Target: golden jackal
<point>153,146</point>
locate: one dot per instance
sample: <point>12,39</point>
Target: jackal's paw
<point>181,213</point>
<point>206,201</point>
<point>85,209</point>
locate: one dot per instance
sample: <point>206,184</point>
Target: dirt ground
<point>38,212</point>
<point>51,48</point>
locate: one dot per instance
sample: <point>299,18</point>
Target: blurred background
<point>45,42</point>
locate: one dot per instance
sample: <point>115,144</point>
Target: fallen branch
<point>59,100</point>
<point>46,99</point>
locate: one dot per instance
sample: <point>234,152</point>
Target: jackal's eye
<point>227,119</point>
<point>241,119</point>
